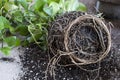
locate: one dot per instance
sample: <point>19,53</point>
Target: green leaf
<point>25,43</point>
<point>56,1</point>
<point>9,6</point>
<point>55,6</point>
<point>4,23</point>
<point>39,4</point>
<point>12,41</point>
<point>48,10</point>
<point>62,4</point>
<point>82,7</point>
<point>24,4</point>
<point>71,5</point>
<point>5,50</point>
<point>17,42</point>
<point>43,16</point>
<point>0,1</point>
<point>22,30</point>
<point>35,38</point>
<point>29,0</point>
<point>18,16</point>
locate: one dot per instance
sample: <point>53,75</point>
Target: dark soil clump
<point>84,38</point>
<point>79,38</point>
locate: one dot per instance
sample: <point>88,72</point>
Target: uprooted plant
<point>26,21</point>
<point>78,37</point>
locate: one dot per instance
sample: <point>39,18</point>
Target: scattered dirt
<point>35,63</point>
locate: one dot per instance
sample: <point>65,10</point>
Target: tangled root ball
<point>84,38</point>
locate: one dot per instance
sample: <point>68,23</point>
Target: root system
<point>80,38</point>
